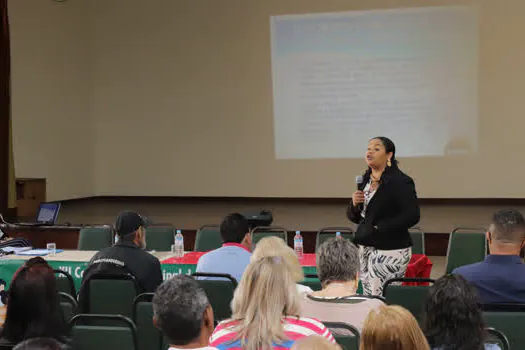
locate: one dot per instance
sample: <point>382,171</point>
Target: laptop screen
<point>48,212</point>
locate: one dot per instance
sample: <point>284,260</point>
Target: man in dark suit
<point>500,278</point>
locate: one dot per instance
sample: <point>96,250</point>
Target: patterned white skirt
<point>378,266</point>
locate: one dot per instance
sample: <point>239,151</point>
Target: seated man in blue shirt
<point>501,277</point>
<point>234,255</point>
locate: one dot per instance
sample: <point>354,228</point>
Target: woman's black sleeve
<point>409,208</point>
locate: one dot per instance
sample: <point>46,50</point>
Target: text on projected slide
<point>342,78</point>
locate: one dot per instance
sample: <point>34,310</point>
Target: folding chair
<point>160,238</point>
<point>411,298</point>
<point>86,336</point>
<point>95,237</point>
<point>148,336</point>
<point>418,240</point>
<point>496,337</point>
<point>326,233</point>
<point>219,288</point>
<point>465,246</point>
<point>508,319</point>
<point>65,282</point>
<point>347,336</point>
<point>208,238</point>
<point>68,304</point>
<point>260,232</point>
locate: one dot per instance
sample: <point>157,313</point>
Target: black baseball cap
<point>128,222</point>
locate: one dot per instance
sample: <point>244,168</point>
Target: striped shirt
<point>224,337</point>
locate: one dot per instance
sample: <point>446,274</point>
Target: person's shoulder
<point>398,176</point>
<point>310,323</point>
<point>467,270</point>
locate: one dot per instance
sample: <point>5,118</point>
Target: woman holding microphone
<point>384,206</point>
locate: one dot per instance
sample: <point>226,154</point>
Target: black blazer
<point>390,213</point>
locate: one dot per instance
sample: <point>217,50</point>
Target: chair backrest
<point>411,298</point>
<point>148,336</point>
<point>95,237</point>
<point>497,337</point>
<point>260,232</point>
<point>65,282</point>
<point>418,240</point>
<point>509,323</point>
<point>465,248</point>
<point>312,281</point>
<point>87,336</point>
<point>160,238</point>
<point>111,294</point>
<point>208,238</point>
<point>68,304</point>
<point>330,232</point>
<point>347,336</point>
<point>219,289</point>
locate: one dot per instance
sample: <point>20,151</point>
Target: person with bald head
<point>500,278</point>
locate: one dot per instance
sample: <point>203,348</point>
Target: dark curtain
<point>5,109</point>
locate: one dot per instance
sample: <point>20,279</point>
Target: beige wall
<point>164,97</point>
<point>52,95</point>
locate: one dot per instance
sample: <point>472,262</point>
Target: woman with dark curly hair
<point>453,318</point>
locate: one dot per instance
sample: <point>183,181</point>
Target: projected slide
<point>342,78</point>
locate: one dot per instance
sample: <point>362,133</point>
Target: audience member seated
<point>40,344</point>
<point>453,318</point>
<point>234,255</point>
<point>183,313</point>
<point>33,305</point>
<point>394,328</point>
<point>501,277</point>
<point>275,246</point>
<point>337,267</point>
<point>266,311</point>
<point>314,342</point>
<point>128,255</point>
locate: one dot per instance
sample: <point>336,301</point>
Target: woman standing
<point>384,206</point>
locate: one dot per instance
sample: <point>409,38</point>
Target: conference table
<point>76,261</point>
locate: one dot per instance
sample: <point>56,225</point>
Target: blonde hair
<point>314,342</point>
<point>266,294</point>
<point>392,327</point>
<point>275,246</point>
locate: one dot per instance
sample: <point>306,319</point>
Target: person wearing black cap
<point>129,252</point>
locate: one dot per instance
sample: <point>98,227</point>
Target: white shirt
<point>368,197</point>
<point>301,288</point>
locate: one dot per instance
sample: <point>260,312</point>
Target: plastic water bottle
<point>298,244</point>
<point>179,244</point>
<point>338,234</point>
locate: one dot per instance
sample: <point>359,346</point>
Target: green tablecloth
<point>76,269</point>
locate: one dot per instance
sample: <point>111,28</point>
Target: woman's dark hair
<point>389,147</point>
<point>453,318</point>
<point>33,304</point>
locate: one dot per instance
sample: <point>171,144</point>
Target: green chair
<point>329,232</point>
<point>68,304</point>
<point>160,238</point>
<point>508,319</point>
<point>347,336</point>
<point>111,294</point>
<point>465,246</point>
<point>65,282</point>
<point>87,336</point>
<point>418,240</point>
<point>208,238</point>
<point>496,337</point>
<point>411,298</point>
<point>148,336</point>
<point>219,288</point>
<point>312,281</point>
<point>95,237</point>
<point>260,232</point>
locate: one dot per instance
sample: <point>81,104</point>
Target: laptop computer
<point>47,215</point>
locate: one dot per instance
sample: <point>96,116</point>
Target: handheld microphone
<point>359,180</point>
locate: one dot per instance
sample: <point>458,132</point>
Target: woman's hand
<point>358,197</point>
